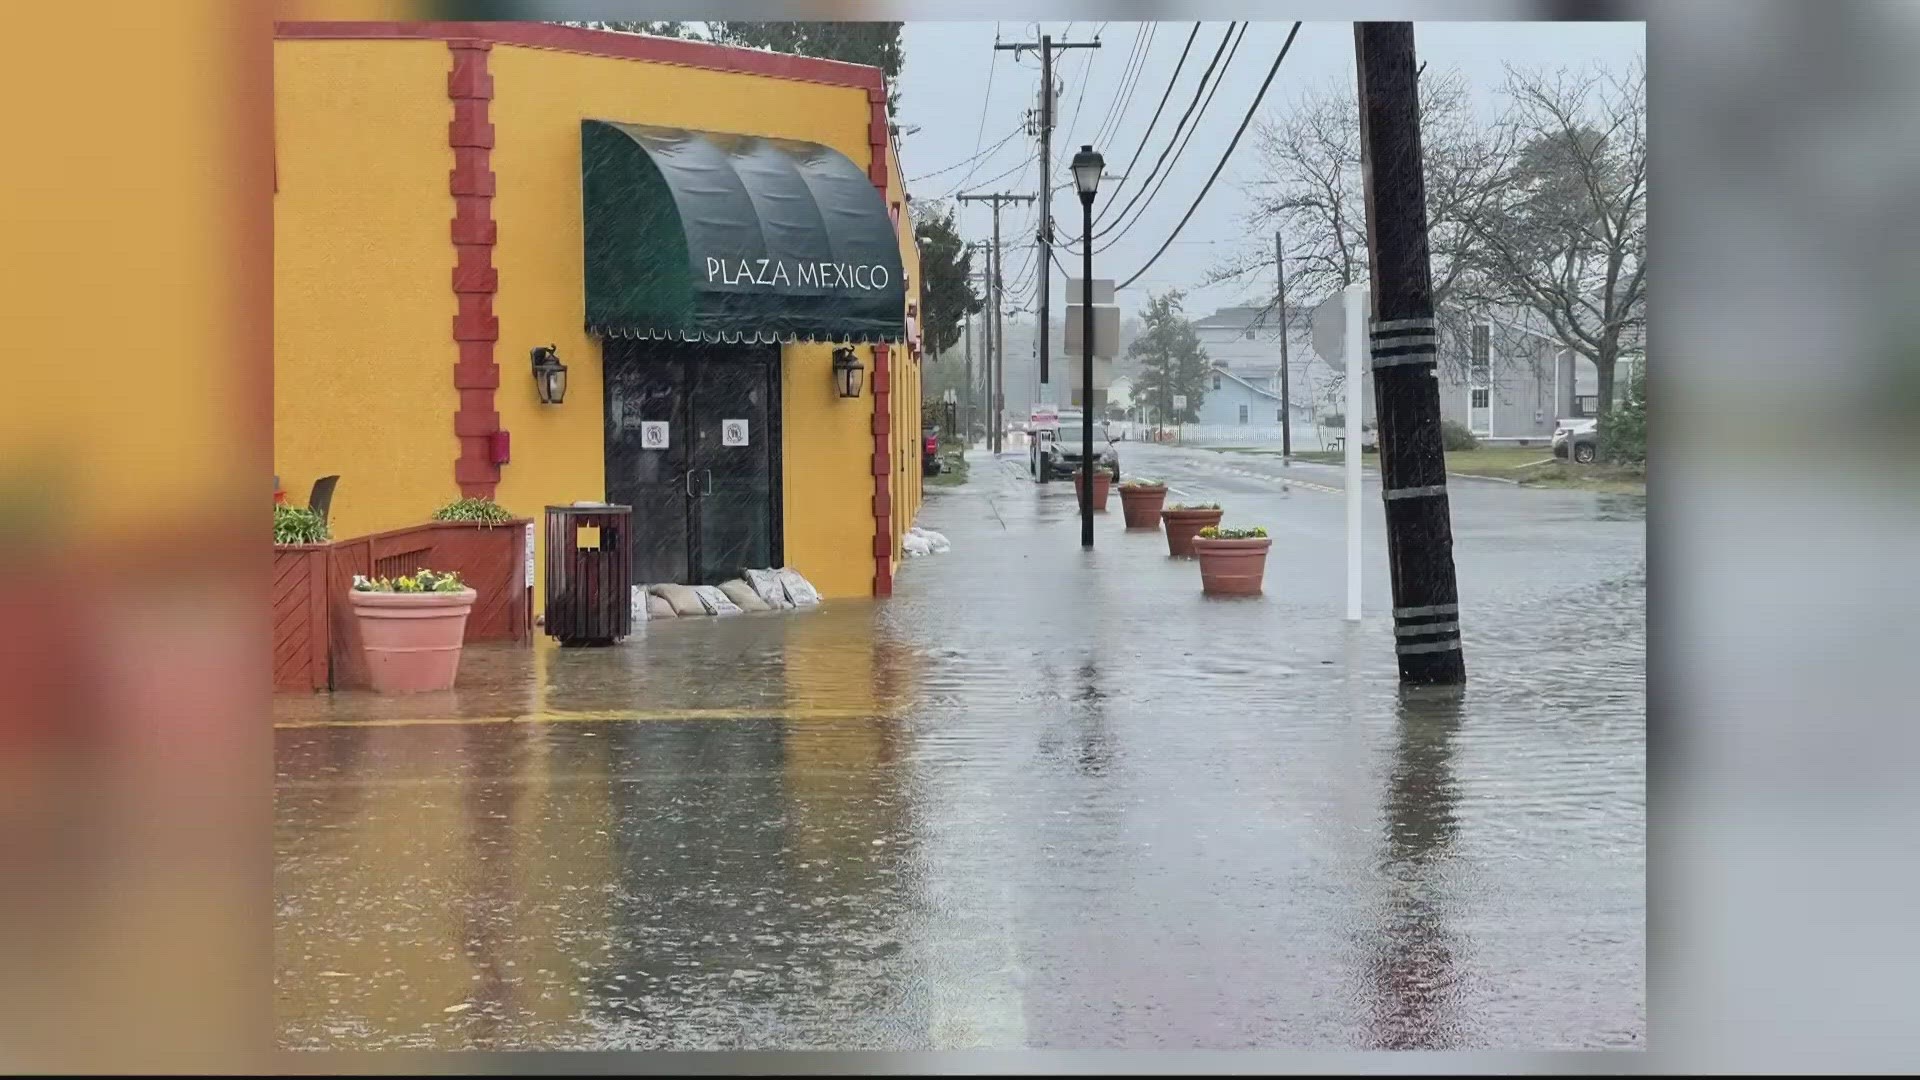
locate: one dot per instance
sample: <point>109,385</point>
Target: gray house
<point>1506,382</point>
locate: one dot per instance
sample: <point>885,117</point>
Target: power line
<point>1143,47</point>
<point>1165,96</point>
<point>1248,119</point>
<point>978,156</point>
<point>1199,90</point>
<point>1204,106</point>
<point>984,102</point>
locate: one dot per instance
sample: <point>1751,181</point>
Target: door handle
<point>709,489</point>
<point>686,483</point>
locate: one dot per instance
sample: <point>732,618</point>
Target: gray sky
<point>952,74</point>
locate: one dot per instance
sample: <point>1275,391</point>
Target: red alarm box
<point>500,447</point>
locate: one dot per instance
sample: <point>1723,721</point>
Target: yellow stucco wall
<point>540,97</point>
<point>362,300</point>
<point>364,303</point>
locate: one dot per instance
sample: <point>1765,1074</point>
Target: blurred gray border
<point>1783,733</point>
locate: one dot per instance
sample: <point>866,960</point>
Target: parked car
<point>1578,439</point>
<point>930,451</point>
<point>1060,455</point>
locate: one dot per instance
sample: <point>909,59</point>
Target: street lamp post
<point>1086,180</point>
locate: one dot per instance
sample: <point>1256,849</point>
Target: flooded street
<point>1040,798</point>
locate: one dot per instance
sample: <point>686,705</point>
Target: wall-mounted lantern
<point>847,372</point>
<point>549,375</point>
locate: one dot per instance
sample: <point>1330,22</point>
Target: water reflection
<point>486,911</point>
<point>1411,969</point>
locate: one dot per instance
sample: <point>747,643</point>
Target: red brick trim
<point>475,329</point>
<point>537,35</point>
<point>879,140</point>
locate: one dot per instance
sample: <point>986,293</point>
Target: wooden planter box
<point>491,559</point>
<point>301,637</point>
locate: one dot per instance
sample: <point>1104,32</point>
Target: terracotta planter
<point>411,641</point>
<point>1102,481</point>
<point>1232,567</point>
<point>1142,505</point>
<point>1182,525</point>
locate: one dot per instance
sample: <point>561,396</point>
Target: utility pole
<point>1286,403</point>
<point>1405,350</point>
<point>966,411</point>
<point>996,290</point>
<point>1045,47</point>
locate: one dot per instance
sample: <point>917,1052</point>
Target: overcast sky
<point>962,95</point>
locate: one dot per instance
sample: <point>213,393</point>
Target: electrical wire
<point>980,155</point>
<point>1143,45</point>
<point>985,101</point>
<point>1162,182</point>
<point>1165,96</point>
<point>1172,139</point>
<point>1242,130</point>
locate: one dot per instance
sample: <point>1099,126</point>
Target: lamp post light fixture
<point>847,372</point>
<point>549,375</point>
<point>1087,166</point>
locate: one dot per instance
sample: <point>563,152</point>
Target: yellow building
<point>548,265</point>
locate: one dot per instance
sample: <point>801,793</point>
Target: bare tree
<point>1566,236</point>
<point>1311,189</point>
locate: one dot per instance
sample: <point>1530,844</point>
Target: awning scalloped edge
<point>754,337</point>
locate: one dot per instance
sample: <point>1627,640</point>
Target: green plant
<point>479,511</point>
<point>1455,436</point>
<point>1215,532</point>
<point>298,525</point>
<point>1194,506</point>
<point>420,581</point>
<point>1623,432</point>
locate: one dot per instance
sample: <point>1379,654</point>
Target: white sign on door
<point>529,581</point>
<point>653,434</point>
<point>733,433</point>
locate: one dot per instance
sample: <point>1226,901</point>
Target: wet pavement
<point>1041,798</point>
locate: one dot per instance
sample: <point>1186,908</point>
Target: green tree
<point>946,277</point>
<point>1170,357</point>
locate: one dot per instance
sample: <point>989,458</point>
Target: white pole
<point>1356,347</point>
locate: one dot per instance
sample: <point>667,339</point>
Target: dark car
<point>1061,456</point>
<point>930,451</point>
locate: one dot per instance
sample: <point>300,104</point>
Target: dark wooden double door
<point>705,490</point>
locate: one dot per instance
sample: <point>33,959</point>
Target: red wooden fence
<point>300,632</point>
<point>492,559</point>
<point>316,642</point>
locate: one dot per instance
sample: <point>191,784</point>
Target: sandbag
<point>658,608</point>
<point>743,596</point>
<point>715,601</point>
<point>684,600</point>
<point>800,592</point>
<point>767,586</point>
<point>637,603</point>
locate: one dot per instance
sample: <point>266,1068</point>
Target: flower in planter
<point>1139,482</point>
<point>1215,532</point>
<point>479,511</point>
<point>1194,506</point>
<point>420,581</point>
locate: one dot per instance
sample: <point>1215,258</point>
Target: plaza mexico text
<point>819,275</point>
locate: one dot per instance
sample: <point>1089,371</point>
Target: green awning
<point>701,236</point>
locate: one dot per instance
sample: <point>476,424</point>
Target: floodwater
<point>1041,798</point>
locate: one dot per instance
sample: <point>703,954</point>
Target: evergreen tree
<point>1170,358</point>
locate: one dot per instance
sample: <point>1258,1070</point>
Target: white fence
<point>1305,436</point>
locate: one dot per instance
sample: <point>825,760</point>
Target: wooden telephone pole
<point>996,291</point>
<point>1405,350</point>
<point>1045,47</point>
